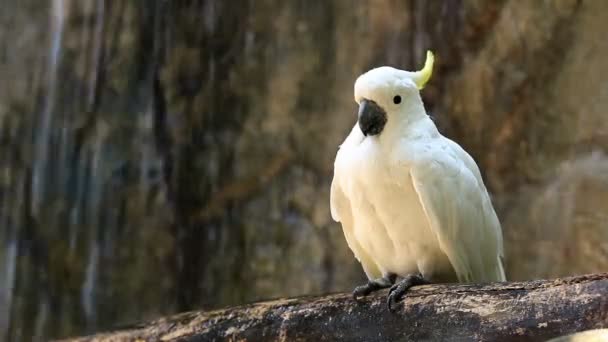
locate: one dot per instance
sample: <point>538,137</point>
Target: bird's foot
<point>399,289</point>
<point>374,285</point>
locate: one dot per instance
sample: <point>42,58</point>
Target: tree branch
<point>517,311</point>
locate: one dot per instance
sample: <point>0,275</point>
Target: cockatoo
<point>411,202</point>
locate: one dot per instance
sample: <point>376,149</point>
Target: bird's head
<point>385,94</point>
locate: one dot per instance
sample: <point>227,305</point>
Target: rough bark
<point>517,311</point>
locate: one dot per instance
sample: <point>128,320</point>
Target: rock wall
<point>160,156</point>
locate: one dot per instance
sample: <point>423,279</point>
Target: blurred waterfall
<point>141,136</point>
<point>43,134</point>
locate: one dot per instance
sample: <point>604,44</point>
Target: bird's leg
<point>399,289</point>
<point>374,285</point>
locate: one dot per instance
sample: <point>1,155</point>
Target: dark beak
<point>372,117</point>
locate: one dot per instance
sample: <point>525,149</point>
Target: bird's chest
<point>373,181</point>
<point>389,221</point>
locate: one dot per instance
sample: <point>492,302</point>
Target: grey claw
<point>392,289</point>
<point>389,302</point>
<point>373,285</point>
<point>361,291</point>
<point>358,292</point>
<point>398,290</point>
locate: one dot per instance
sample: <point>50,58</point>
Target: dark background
<point>161,156</point>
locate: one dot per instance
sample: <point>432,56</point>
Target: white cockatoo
<point>412,202</point>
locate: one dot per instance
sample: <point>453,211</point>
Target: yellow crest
<point>423,76</point>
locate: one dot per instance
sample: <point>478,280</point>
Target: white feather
<point>411,200</point>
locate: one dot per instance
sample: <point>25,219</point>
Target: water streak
<point>43,134</point>
<point>96,182</point>
<point>42,318</point>
<point>96,53</point>
<point>90,283</point>
<point>8,283</point>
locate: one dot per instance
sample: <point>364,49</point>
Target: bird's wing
<point>336,200</point>
<point>341,212</point>
<point>459,211</point>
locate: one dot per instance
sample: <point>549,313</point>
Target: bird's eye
<point>397,99</point>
